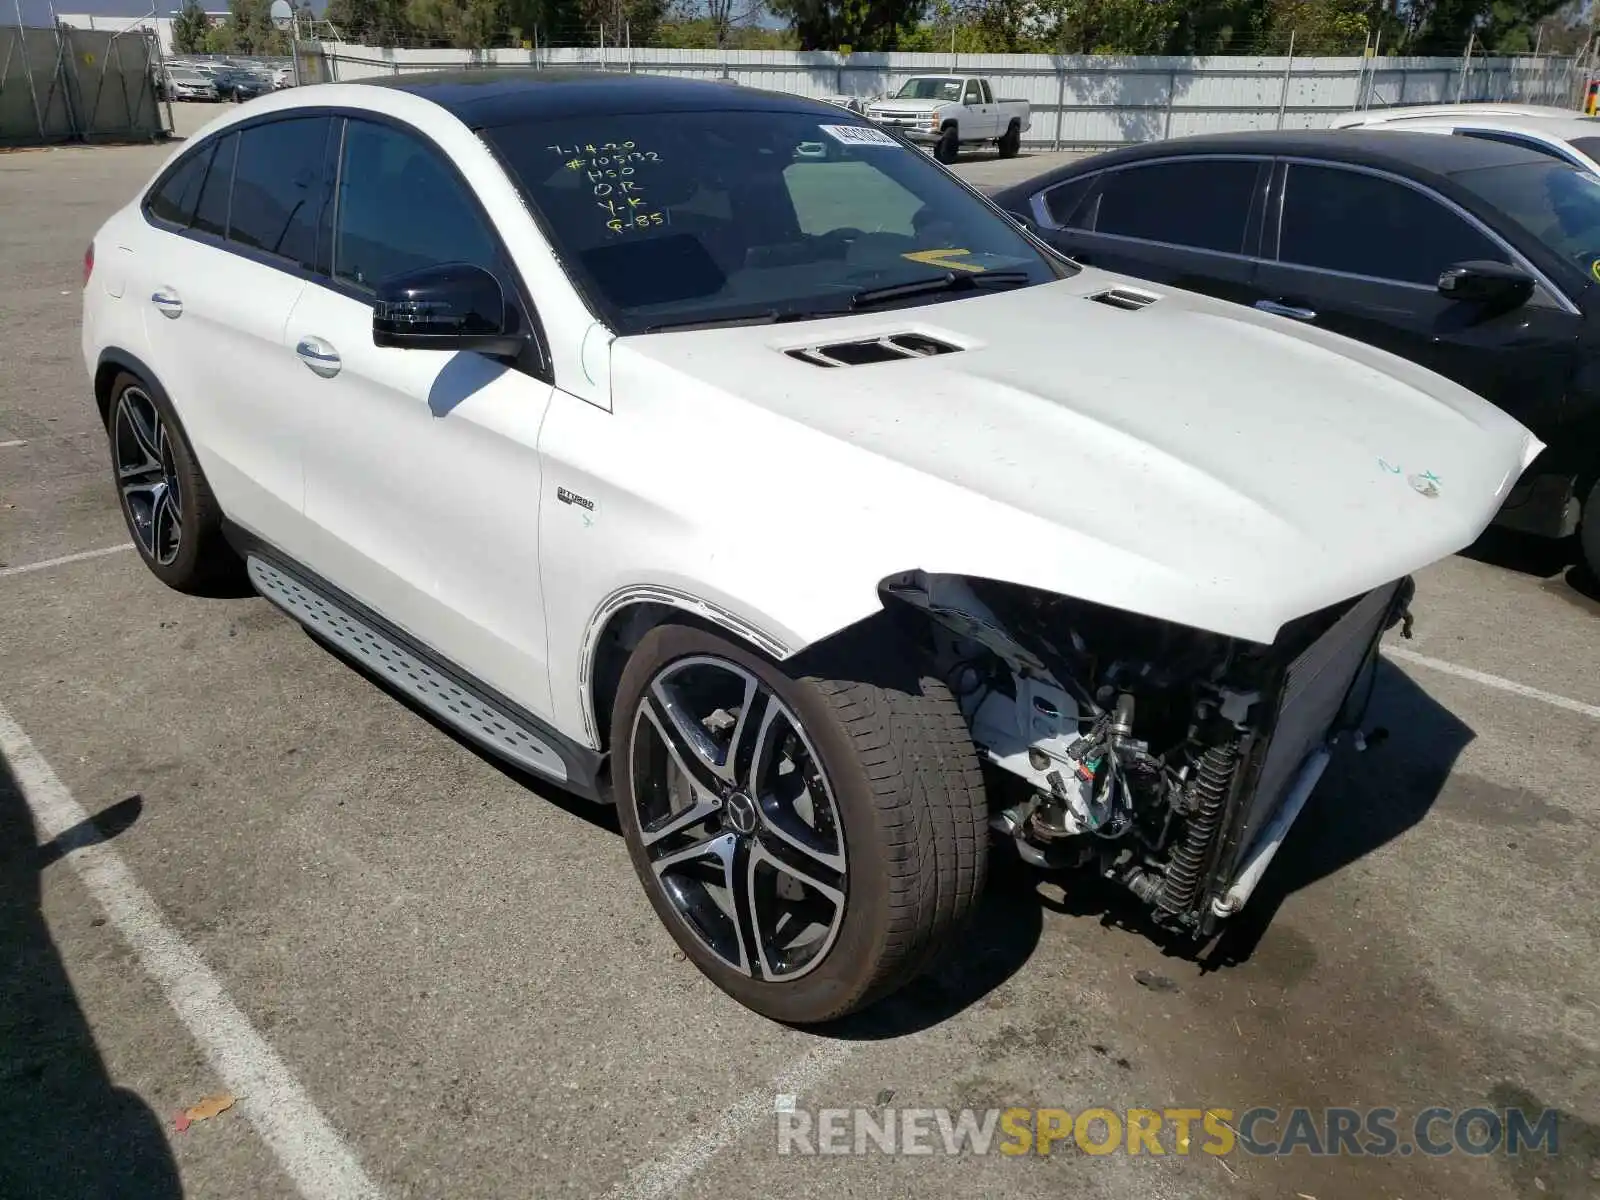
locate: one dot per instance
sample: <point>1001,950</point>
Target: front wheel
<point>948,148</point>
<point>811,840</point>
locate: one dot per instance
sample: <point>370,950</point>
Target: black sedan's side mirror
<point>454,306</point>
<point>1495,284</point>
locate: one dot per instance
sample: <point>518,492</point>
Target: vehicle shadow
<point>1364,801</point>
<point>1558,561</point>
<point>66,1131</point>
<point>602,816</point>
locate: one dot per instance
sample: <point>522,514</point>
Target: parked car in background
<point>779,490</point>
<point>952,113</point>
<point>282,77</point>
<point>1558,132</point>
<point>240,85</point>
<point>1475,258</point>
<point>183,83</point>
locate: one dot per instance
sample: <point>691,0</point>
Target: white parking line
<point>664,1175</point>
<point>81,556</point>
<point>311,1153</point>
<point>1491,681</point>
<point>13,442</point>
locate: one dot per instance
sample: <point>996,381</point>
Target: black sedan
<point>240,86</point>
<point>1478,260</point>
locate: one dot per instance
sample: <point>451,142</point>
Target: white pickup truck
<point>952,111</point>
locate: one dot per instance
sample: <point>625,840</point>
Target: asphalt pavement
<point>225,856</point>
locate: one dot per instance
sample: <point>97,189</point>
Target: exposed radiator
<point>1314,689</point>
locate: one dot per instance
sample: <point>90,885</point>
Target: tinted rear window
<point>1203,204</point>
<point>175,197</point>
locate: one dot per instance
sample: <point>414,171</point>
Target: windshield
<point>1558,204</point>
<point>929,87</point>
<point>673,219</point>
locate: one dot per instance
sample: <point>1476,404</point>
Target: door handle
<point>167,303</point>
<point>1287,310</point>
<point>322,358</point>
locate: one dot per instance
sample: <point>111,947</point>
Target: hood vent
<point>874,350</point>
<point>1125,298</point>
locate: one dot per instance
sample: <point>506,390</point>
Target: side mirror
<point>1491,283</point>
<point>454,306</point>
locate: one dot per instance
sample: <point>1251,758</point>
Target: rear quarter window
<point>174,197</point>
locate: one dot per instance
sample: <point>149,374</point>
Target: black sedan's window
<point>1063,200</point>
<point>1556,204</point>
<point>1200,203</point>
<point>1361,224</point>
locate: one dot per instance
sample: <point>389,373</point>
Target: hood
<point>1168,454</point>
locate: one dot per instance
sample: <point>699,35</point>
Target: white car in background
<point>713,453</point>
<point>1558,132</point>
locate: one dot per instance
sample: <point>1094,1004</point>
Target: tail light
<point>88,264</point>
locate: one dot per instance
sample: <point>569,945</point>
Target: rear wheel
<point>811,841</point>
<point>1011,141</point>
<point>948,148</point>
<point>171,514</point>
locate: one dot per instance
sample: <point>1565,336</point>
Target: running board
<point>457,705</point>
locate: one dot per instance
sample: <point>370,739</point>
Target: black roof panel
<point>488,96</point>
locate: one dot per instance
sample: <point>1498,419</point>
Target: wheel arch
<point>629,613</point>
<point>113,361</point>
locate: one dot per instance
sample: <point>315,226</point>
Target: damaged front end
<point>1168,759</point>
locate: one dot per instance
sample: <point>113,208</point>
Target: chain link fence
<point>69,85</point>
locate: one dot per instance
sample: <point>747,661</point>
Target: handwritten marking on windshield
<point>942,258</point>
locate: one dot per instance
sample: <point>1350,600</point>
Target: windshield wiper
<point>950,281</point>
<point>770,317</point>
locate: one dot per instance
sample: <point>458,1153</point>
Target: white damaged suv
<point>716,454</point>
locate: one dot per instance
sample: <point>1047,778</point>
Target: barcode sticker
<point>859,135</point>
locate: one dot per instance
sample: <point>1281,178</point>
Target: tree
<point>858,24</point>
<point>189,28</point>
<point>1327,27</point>
<point>371,22</point>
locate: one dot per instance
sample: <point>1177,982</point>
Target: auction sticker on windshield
<point>859,135</point>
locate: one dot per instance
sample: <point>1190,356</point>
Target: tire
<point>948,148</point>
<point>1011,141</point>
<point>1589,531</point>
<point>887,764</point>
<point>149,448</point>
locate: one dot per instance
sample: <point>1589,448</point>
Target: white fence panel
<point>1077,100</point>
